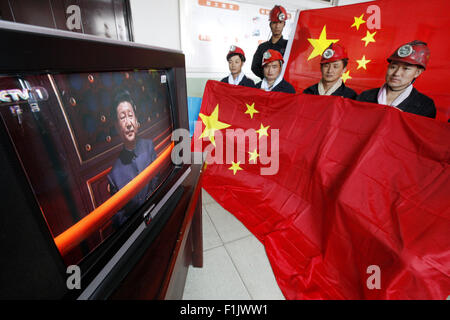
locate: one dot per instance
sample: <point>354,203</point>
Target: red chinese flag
<point>350,199</point>
<point>371,32</point>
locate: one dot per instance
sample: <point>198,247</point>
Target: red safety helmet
<point>415,52</point>
<point>333,53</point>
<point>236,50</point>
<point>271,55</point>
<point>278,14</point>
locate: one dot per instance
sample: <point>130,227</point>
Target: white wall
<point>345,2</point>
<point>156,23</point>
<point>290,4</point>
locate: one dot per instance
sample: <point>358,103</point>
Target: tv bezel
<point>39,50</point>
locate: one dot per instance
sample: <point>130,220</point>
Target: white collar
<point>382,94</point>
<point>331,90</point>
<point>239,78</point>
<point>265,85</point>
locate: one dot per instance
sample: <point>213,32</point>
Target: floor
<point>235,264</point>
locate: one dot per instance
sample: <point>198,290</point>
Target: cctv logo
<point>15,95</point>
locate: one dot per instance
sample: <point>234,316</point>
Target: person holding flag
<point>272,64</point>
<point>332,65</point>
<point>277,18</point>
<point>236,59</point>
<point>405,65</point>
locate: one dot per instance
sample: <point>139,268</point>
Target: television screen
<point>94,147</point>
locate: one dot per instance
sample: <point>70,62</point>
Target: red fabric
<point>400,21</point>
<point>358,184</point>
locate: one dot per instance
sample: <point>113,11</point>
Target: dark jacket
<point>246,82</point>
<point>127,166</point>
<point>283,86</point>
<point>342,91</point>
<point>280,46</point>
<point>416,102</point>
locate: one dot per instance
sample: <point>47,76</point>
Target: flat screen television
<point>85,128</point>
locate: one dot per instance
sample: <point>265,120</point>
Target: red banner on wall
<point>371,32</point>
<point>350,199</point>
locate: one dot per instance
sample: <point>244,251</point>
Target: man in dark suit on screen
<point>136,155</point>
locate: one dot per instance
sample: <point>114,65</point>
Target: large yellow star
<point>235,166</point>
<point>369,38</point>
<point>262,131</point>
<point>251,109</point>
<point>253,156</point>
<point>345,76</point>
<point>362,63</point>
<point>320,44</point>
<point>212,124</point>
<point>358,22</point>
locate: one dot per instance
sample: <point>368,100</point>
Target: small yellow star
<point>253,156</point>
<point>358,22</point>
<point>263,131</point>
<point>345,76</point>
<point>362,63</point>
<point>235,166</point>
<point>212,124</point>
<point>369,38</point>
<point>251,109</point>
<point>320,44</point>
